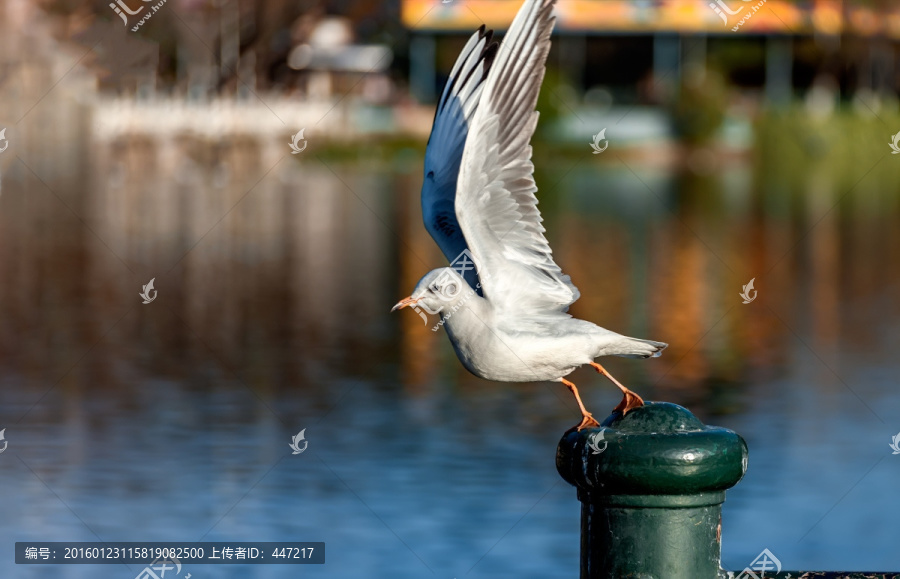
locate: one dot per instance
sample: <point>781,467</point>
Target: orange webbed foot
<point>630,400</point>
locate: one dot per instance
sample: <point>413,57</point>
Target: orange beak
<point>410,301</point>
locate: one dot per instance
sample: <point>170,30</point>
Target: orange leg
<point>630,400</point>
<point>587,420</point>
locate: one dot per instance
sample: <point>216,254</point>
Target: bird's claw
<point>587,421</point>
<point>630,401</point>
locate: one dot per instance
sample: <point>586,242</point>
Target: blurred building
<point>640,50</point>
<point>379,53</point>
<point>330,56</point>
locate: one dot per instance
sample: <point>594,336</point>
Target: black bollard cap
<point>658,450</point>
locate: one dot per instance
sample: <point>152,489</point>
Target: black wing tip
<point>489,52</point>
<point>486,59</point>
<point>486,33</point>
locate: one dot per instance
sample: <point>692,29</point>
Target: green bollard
<point>651,486</point>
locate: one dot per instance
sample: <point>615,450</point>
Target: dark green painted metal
<point>820,575</point>
<point>652,499</point>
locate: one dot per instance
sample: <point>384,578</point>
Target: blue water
<point>171,421</point>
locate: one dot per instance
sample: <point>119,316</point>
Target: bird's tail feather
<point>637,348</point>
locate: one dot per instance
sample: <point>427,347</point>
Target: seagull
<point>505,308</point>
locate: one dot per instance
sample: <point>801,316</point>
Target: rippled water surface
<point>171,421</point>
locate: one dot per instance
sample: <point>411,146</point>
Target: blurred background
<point>158,148</point>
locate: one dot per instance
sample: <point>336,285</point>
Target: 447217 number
<point>292,553</point>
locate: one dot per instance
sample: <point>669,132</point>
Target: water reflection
<point>171,421</point>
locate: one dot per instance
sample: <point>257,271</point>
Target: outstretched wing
<point>457,106</point>
<point>495,202</point>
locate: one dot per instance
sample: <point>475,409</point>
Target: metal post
<point>651,485</point>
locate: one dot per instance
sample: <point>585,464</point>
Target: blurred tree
<point>699,108</point>
<point>246,39</point>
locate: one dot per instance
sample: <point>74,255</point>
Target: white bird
<point>506,318</point>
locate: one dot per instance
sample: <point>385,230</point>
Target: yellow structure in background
<point>684,16</point>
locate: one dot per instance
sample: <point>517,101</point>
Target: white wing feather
<point>495,202</point>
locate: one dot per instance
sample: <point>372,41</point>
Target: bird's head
<point>439,289</point>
